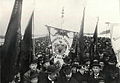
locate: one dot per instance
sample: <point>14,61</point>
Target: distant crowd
<point>101,68</point>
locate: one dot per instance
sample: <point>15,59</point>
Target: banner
<point>61,40</point>
<point>115,39</point>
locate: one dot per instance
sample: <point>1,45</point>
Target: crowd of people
<point>101,69</point>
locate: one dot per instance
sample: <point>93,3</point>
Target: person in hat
<point>50,76</point>
<point>46,64</point>
<point>74,67</point>
<point>101,56</point>
<point>111,70</point>
<point>52,73</point>
<point>87,64</point>
<point>102,66</point>
<point>81,76</point>
<point>40,63</point>
<point>67,76</point>
<point>97,75</point>
<point>29,75</point>
<point>67,60</point>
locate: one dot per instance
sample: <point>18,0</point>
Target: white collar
<point>50,79</point>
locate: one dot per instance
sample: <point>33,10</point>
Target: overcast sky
<point>49,12</point>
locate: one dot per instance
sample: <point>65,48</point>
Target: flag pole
<point>95,36</point>
<point>33,36</point>
<point>33,26</point>
<point>62,17</point>
<point>80,47</point>
<point>108,27</point>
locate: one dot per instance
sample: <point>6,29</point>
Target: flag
<point>95,38</point>
<point>11,44</point>
<point>80,38</point>
<point>93,46</point>
<point>73,52</point>
<point>27,47</point>
<point>61,40</point>
<point>75,47</point>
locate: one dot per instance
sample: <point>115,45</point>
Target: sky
<point>48,12</point>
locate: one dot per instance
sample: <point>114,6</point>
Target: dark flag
<point>95,38</point>
<point>11,44</point>
<point>93,47</point>
<point>73,54</point>
<point>81,39</point>
<point>26,55</point>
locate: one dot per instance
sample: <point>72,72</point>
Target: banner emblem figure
<point>61,41</point>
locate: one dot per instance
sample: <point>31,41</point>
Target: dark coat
<point>63,79</point>
<point>81,78</point>
<point>94,79</point>
<point>43,78</point>
<point>113,75</point>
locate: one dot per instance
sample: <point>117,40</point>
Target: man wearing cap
<point>31,76</point>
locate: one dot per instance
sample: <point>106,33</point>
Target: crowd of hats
<point>104,45</point>
<point>104,48</point>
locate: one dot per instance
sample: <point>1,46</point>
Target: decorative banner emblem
<point>60,46</point>
<point>61,40</point>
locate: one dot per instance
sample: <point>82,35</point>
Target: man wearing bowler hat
<point>97,76</point>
